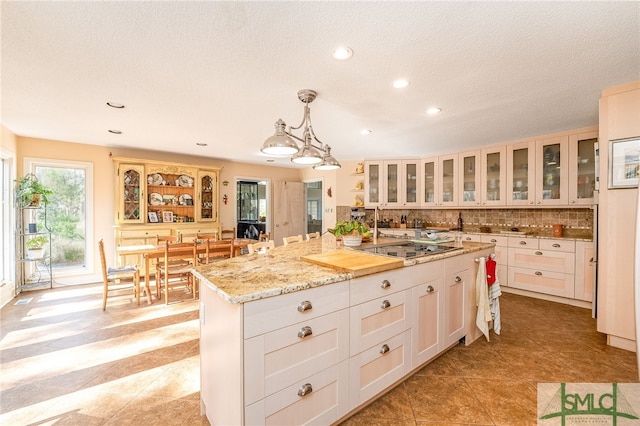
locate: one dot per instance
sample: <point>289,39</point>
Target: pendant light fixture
<point>313,151</point>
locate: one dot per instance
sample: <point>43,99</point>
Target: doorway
<point>313,201</point>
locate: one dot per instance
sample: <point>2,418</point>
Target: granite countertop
<point>281,270</point>
<point>530,232</point>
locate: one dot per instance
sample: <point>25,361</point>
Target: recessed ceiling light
<point>115,105</point>
<point>365,132</point>
<point>400,84</point>
<point>433,110</point>
<point>201,144</point>
<point>342,53</point>
<point>115,132</point>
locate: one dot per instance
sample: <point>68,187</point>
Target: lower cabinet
<point>585,271</point>
<point>455,307</point>
<point>427,308</point>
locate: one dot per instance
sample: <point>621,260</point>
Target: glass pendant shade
<point>280,143</point>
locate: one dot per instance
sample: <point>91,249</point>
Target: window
<point>6,217</point>
<point>69,213</point>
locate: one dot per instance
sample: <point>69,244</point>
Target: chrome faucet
<point>375,225</point>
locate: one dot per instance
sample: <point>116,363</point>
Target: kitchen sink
<point>409,249</point>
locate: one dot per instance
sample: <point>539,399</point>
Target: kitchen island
<point>286,341</point>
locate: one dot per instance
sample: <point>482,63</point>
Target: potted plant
<point>351,232</point>
<point>35,246</point>
<point>30,191</point>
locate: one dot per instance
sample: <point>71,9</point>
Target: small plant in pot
<point>351,232</point>
<point>35,246</point>
<point>30,192</point>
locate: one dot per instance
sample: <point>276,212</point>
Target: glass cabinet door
<point>582,169</point>
<point>207,208</point>
<point>470,178</point>
<point>494,176</point>
<point>411,183</point>
<point>521,173</point>
<point>130,209</point>
<point>552,162</point>
<point>448,180</point>
<point>372,171</point>
<point>429,173</point>
<point>393,183</point>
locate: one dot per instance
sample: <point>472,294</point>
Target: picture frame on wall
<point>153,217</point>
<point>624,163</point>
<point>167,216</point>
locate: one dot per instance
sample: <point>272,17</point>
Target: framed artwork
<point>153,217</point>
<point>167,216</point>
<point>624,163</point>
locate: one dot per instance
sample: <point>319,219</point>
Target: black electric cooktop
<point>410,250</point>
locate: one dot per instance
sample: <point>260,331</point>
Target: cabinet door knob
<point>385,304</point>
<point>304,306</point>
<point>305,331</point>
<point>458,279</point>
<point>556,245</point>
<point>430,289</point>
<point>538,273</point>
<point>573,201</point>
<point>305,389</point>
<point>493,240</point>
<point>538,253</point>
<point>385,284</point>
<point>523,243</point>
<point>384,349</point>
<point>468,239</point>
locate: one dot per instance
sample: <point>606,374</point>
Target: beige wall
<point>619,119</point>
<point>8,152</point>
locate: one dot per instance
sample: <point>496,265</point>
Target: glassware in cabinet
<point>131,189</point>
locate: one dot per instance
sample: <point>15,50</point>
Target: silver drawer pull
<point>305,331</point>
<point>468,239</point>
<point>538,253</point>
<point>385,284</point>
<point>458,279</point>
<point>493,240</point>
<point>556,245</point>
<point>304,306</point>
<point>523,243</point>
<point>385,304</point>
<point>538,273</point>
<point>305,389</point>
<point>430,289</point>
<point>384,349</point>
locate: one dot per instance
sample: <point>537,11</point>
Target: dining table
<point>152,251</point>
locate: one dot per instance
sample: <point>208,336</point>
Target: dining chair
<point>261,245</point>
<point>264,236</point>
<point>292,239</point>
<point>313,236</point>
<point>186,256</point>
<point>207,236</point>
<point>161,239</point>
<point>228,233</point>
<point>215,250</point>
<point>115,276</point>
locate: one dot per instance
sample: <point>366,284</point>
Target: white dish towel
<point>494,305</point>
<point>483,316</point>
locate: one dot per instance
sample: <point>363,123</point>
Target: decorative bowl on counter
<point>352,240</point>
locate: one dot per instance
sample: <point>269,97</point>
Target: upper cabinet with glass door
<point>582,168</point>
<point>373,182</point>
<point>469,178</point>
<point>552,171</point>
<point>392,183</point>
<point>448,173</point>
<point>430,181</point>
<point>494,176</point>
<point>521,173</point>
<point>130,192</point>
<point>411,183</point>
<point>207,196</point>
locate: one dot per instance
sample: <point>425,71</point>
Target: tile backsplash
<point>576,222</point>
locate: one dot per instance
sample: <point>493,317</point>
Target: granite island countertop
<point>281,270</point>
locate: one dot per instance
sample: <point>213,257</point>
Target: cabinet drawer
<point>423,272</point>
<point>379,285</point>
<point>568,246</point>
<point>141,233</point>
<point>262,316</point>
<point>288,355</point>
<point>552,261</point>
<point>376,368</point>
<point>471,237</point>
<point>378,319</point>
<point>523,242</point>
<point>325,401</point>
<point>554,283</point>
<point>498,240</point>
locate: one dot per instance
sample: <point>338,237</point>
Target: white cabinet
<point>469,178</point>
<point>585,271</point>
<point>493,177</point>
<point>582,168</point>
<point>501,258</point>
<point>448,184</point>
<point>392,183</point>
<point>521,174</point>
<point>427,310</point>
<point>454,310</point>
<point>429,171</point>
<point>552,171</point>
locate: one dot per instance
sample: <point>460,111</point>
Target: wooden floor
<point>64,361</point>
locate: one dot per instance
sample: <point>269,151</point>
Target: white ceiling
<point>222,73</point>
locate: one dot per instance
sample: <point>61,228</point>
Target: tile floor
<point>64,361</point>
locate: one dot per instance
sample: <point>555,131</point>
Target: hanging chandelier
<point>312,152</point>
